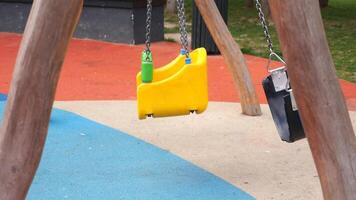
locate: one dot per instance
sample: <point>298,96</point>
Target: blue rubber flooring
<point>3,97</point>
<point>86,160</point>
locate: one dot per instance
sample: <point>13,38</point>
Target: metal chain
<point>264,26</point>
<point>148,26</point>
<point>182,26</point>
<point>269,42</point>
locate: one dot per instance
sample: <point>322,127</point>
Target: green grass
<point>340,25</point>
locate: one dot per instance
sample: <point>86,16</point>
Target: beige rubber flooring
<point>245,151</point>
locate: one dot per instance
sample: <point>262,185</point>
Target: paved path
<point>245,151</point>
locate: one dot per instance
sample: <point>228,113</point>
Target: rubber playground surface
<point>97,148</point>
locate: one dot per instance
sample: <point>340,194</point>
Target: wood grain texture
<point>23,131</point>
<point>232,54</point>
<point>320,100</point>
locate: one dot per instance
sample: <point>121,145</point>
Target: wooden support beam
<point>24,128</point>
<point>171,6</point>
<point>318,94</point>
<point>232,54</point>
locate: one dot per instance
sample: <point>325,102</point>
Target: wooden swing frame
<point>317,91</point>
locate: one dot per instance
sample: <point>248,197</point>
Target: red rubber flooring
<point>96,70</point>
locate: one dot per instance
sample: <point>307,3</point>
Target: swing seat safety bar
<point>176,89</point>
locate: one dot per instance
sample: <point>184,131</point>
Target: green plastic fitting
<point>147,67</point>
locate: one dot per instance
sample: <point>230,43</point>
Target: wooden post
<point>318,94</point>
<point>24,128</point>
<point>171,6</point>
<point>232,54</point>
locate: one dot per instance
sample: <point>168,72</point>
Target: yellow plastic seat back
<point>176,89</point>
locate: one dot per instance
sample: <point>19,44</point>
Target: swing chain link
<point>148,27</point>
<point>264,24</point>
<point>182,26</point>
<point>272,54</point>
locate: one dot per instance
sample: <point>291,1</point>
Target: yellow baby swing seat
<point>176,89</point>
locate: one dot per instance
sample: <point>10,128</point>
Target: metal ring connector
<point>271,55</point>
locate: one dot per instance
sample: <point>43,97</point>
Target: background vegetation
<point>339,20</point>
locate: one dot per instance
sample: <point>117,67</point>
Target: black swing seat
<point>286,119</point>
